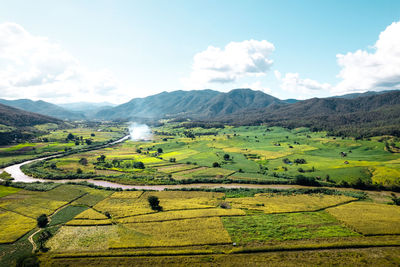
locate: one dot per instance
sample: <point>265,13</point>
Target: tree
<point>92,134</point>
<point>172,159</point>
<point>70,136</point>
<point>226,157</point>
<point>79,171</point>
<point>138,165</point>
<point>154,203</point>
<point>42,221</point>
<point>83,161</point>
<point>88,142</point>
<point>216,165</point>
<point>101,158</point>
<point>159,150</point>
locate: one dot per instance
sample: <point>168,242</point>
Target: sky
<point>93,51</point>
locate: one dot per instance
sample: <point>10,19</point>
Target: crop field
<point>280,227</point>
<point>88,223</point>
<point>254,154</point>
<point>99,222</point>
<point>5,190</point>
<point>369,218</point>
<point>277,203</point>
<point>14,225</point>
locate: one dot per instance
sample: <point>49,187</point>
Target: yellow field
<point>123,204</point>
<point>127,194</point>
<point>386,176</point>
<point>90,214</point>
<point>271,203</point>
<point>81,238</point>
<point>171,233</point>
<point>13,226</point>
<point>88,222</point>
<point>30,204</point>
<point>369,218</point>
<point>182,214</point>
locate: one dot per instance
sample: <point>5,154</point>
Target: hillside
<point>43,108</point>
<point>17,124</point>
<point>196,104</point>
<point>361,116</point>
<point>14,117</point>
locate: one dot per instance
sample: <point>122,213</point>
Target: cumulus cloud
<point>226,65</point>
<point>36,67</point>
<point>292,82</point>
<point>377,70</point>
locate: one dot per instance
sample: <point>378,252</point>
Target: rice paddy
<point>90,221</point>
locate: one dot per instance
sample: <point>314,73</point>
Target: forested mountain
<point>17,124</point>
<point>14,117</point>
<point>43,108</point>
<point>196,104</point>
<point>362,116</point>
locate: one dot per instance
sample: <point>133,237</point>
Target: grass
<point>280,227</point>
<point>274,203</point>
<point>14,225</point>
<point>369,218</point>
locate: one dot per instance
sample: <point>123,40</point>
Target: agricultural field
<point>86,222</point>
<point>54,140</point>
<point>247,154</point>
<point>211,225</point>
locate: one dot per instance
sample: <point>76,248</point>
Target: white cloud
<point>362,71</point>
<point>37,68</point>
<point>235,60</point>
<point>292,82</point>
<point>256,86</point>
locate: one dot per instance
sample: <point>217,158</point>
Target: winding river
<point>16,173</point>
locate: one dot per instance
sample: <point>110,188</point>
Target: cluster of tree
<point>79,140</point>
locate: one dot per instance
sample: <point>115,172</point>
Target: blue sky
<point>125,49</point>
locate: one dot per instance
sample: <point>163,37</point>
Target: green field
<point>252,154</point>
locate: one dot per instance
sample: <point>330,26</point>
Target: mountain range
<point>376,111</point>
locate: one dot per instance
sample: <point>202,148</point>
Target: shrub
<point>216,165</point>
<point>395,199</point>
<point>159,150</point>
<point>303,180</point>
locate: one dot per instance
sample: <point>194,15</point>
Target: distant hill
<point>17,124</point>
<point>43,108</point>
<point>196,104</point>
<point>371,115</point>
<point>86,106</point>
<point>369,93</point>
<point>11,116</point>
